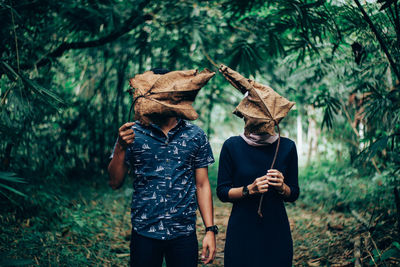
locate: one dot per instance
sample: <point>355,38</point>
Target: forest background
<point>64,70</point>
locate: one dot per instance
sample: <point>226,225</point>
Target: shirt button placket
<point>166,199</point>
<point>169,173</point>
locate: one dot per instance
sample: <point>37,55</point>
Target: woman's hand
<point>259,186</point>
<point>275,178</point>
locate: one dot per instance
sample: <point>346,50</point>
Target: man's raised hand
<point>126,135</point>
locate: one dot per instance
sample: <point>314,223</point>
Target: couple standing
<point>169,158</point>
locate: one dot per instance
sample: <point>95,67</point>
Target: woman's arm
<point>225,174</point>
<point>287,186</point>
<point>225,190</point>
<point>259,186</point>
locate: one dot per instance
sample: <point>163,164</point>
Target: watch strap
<point>213,228</point>
<point>245,192</point>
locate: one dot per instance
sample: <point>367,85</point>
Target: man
<point>169,158</point>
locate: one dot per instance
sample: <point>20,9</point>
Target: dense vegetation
<point>64,69</point>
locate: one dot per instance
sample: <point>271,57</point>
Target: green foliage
<point>339,186</point>
<point>65,65</point>
<point>10,178</point>
<point>331,106</point>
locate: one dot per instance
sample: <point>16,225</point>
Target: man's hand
<point>126,135</point>
<point>208,246</point>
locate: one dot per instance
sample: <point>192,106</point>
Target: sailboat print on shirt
<point>145,146</point>
<point>173,210</point>
<point>175,150</point>
<point>159,168</point>
<point>154,196</point>
<point>161,226</point>
<point>183,143</point>
<point>152,229</point>
<point>144,216</point>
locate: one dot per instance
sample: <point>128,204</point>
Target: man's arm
<point>117,168</point>
<point>204,199</point>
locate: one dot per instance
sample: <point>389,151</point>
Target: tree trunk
<point>312,136</point>
<point>397,201</point>
<point>210,108</point>
<point>118,118</point>
<point>299,135</point>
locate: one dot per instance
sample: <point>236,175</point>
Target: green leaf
<point>14,75</point>
<point>11,178</point>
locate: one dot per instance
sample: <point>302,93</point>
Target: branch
<point>397,21</point>
<point>379,37</point>
<point>132,22</point>
<point>349,119</point>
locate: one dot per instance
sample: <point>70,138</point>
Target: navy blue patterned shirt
<point>164,200</point>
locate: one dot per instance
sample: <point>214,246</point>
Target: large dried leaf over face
<point>168,95</point>
<point>262,108</point>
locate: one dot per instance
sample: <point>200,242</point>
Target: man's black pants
<point>178,252</point>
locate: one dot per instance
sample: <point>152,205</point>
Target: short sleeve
<point>127,154</point>
<point>204,156</point>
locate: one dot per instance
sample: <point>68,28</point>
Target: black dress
<point>252,241</point>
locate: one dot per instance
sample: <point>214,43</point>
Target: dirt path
<point>313,239</point>
<point>320,239</point>
<point>93,229</point>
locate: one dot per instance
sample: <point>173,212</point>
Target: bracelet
<point>283,190</point>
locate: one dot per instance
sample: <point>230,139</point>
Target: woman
<point>244,175</point>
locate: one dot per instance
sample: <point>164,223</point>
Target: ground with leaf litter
<point>93,229</point>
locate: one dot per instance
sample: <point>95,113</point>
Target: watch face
<point>213,228</point>
<point>245,191</point>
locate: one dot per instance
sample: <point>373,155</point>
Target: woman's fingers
<point>274,173</point>
<point>262,178</point>
<point>262,185</point>
<point>275,180</point>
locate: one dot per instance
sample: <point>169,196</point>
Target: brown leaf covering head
<point>167,95</point>
<point>262,108</point>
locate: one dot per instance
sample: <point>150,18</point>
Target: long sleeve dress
<point>252,241</point>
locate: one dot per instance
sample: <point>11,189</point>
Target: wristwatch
<point>213,228</point>
<point>245,192</point>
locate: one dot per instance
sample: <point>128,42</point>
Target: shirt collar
<point>156,129</point>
